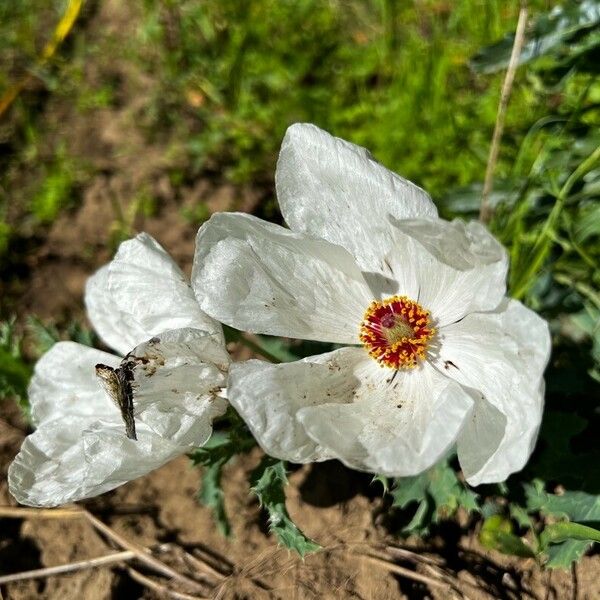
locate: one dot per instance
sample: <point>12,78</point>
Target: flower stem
<point>543,244</point>
<point>233,335</point>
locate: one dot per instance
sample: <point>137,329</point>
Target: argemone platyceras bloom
<point>435,354</point>
<point>176,372</point>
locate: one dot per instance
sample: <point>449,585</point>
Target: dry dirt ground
<point>333,505</point>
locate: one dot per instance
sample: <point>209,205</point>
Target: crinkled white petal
<point>268,398</point>
<point>393,425</point>
<point>71,459</point>
<point>64,384</point>
<point>80,448</point>
<point>141,292</point>
<point>149,289</point>
<point>460,245</point>
<point>501,356</point>
<point>334,190</point>
<point>344,405</point>
<point>114,327</point>
<point>451,269</point>
<point>177,378</point>
<point>263,278</point>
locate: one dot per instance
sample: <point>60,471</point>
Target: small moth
<point>117,384</point>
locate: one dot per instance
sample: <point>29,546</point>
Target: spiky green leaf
<point>576,506</point>
<point>268,482</point>
<point>560,556</point>
<point>213,456</point>
<point>211,495</point>
<point>438,492</point>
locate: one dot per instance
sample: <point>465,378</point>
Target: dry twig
<point>203,569</point>
<point>160,588</point>
<point>403,572</point>
<point>485,212</point>
<point>18,512</point>
<point>142,554</point>
<point>434,566</point>
<point>91,563</point>
<point>417,557</point>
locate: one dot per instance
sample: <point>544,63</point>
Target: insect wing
<point>117,384</point>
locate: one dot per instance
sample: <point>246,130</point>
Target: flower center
<point>396,331</point>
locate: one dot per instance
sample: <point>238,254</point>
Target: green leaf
<point>587,223</point>
<point>15,373</point>
<point>211,495</point>
<point>466,200</point>
<point>268,482</point>
<point>519,514</point>
<point>449,493</point>
<point>421,520</point>
<point>45,336</point>
<point>497,534</point>
<point>565,530</point>
<point>80,334</point>
<point>548,35</point>
<point>438,492</point>
<point>213,456</point>
<point>409,489</point>
<point>277,347</point>
<point>560,556</point>
<point>258,347</point>
<point>576,506</point>
<point>565,541</point>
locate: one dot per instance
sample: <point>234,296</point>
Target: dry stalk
<point>142,554</point>
<point>433,567</point>
<point>161,589</point>
<point>485,211</point>
<point>407,573</point>
<point>400,552</point>
<point>17,512</point>
<point>91,563</point>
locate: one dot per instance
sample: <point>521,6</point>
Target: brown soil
<point>333,505</point>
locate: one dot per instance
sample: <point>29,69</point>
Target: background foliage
<point>418,84</point>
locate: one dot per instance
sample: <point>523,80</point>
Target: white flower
<point>439,357</point>
<point>177,371</point>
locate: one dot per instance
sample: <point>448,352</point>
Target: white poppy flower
<point>439,356</point>
<point>80,448</point>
